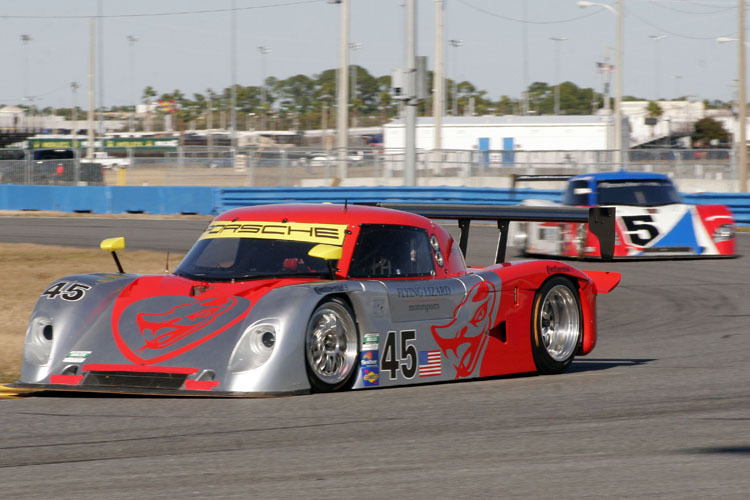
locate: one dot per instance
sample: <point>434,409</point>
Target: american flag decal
<point>429,364</point>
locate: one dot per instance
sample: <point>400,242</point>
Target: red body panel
<point>520,280</point>
<point>714,216</point>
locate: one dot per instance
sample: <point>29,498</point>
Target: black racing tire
<point>332,346</point>
<point>556,325</point>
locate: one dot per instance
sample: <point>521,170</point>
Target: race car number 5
<point>640,229</point>
<point>67,291</point>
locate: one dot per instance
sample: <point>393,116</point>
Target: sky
<point>186,45</point>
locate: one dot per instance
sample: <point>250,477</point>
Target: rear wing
<point>516,178</point>
<point>601,220</point>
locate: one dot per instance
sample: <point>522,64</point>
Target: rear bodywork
<point>181,335</point>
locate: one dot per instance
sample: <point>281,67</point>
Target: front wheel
<point>331,346</point>
<point>556,325</point>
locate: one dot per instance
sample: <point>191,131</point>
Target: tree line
<point>309,102</point>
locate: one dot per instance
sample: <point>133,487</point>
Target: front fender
<point>64,312</point>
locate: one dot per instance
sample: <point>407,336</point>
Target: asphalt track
<point>660,409</point>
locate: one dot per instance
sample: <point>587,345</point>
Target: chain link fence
<point>297,166</point>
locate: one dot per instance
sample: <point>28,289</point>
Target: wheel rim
<point>331,343</point>
<point>560,323</point>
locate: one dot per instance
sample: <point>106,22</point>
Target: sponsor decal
<point>155,329</point>
<point>424,307</point>
<point>422,291</point>
<point>332,234</point>
<point>370,377</point>
<point>463,340</point>
<point>429,364</point>
<point>369,359</point>
<point>76,356</point>
<point>370,341</point>
<point>339,287</point>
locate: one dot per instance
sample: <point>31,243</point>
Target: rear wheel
<point>331,346</point>
<point>556,325</point>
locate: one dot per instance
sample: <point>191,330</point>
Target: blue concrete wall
<point>211,201</point>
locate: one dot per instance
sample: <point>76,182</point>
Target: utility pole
<point>410,66</point>
<point>90,145</point>
<point>233,111</point>
<point>99,28</point>
<point>438,100</point>
<point>342,116</point>
<point>742,104</point>
<point>557,40</point>
<point>263,50</point>
<point>131,41</point>
<point>74,118</point>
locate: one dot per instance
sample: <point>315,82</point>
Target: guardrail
<point>211,201</point>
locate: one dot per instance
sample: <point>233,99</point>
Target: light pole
<point>25,39</point>
<point>263,50</point>
<point>354,46</point>
<point>131,41</point>
<point>656,39</point>
<point>741,100</point>
<point>74,116</point>
<point>233,111</point>
<point>342,98</point>
<point>557,40</point>
<point>455,44</point>
<point>619,156</point>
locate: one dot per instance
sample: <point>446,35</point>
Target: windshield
<point>642,193</point>
<point>252,250</point>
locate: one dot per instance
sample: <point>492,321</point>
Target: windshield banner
<point>332,234</point>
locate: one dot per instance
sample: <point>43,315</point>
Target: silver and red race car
<point>289,299</point>
<point>652,220</point>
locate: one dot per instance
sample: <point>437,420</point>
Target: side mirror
<point>329,253</point>
<point>326,252</point>
<point>112,245</point>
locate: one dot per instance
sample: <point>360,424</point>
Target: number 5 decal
<point>640,229</point>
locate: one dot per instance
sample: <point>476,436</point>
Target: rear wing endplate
<point>601,220</point>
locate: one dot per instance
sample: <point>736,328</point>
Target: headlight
<point>38,344</point>
<point>724,233</point>
<point>255,346</point>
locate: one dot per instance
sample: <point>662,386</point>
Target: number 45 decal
<point>409,357</point>
<point>640,229</point>
<point>67,291</point>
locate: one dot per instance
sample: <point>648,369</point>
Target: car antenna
<point>346,204</point>
<point>166,266</point>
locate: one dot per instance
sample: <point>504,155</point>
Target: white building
<point>488,133</point>
<point>551,132</point>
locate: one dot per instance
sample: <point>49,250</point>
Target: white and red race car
<point>652,220</point>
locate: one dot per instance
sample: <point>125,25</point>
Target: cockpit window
<point>577,193</point>
<point>244,250</point>
<point>390,251</point>
<point>640,193</point>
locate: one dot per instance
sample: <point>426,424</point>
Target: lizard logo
<point>464,339</point>
<point>159,328</point>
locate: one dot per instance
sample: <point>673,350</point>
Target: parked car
<point>106,161</point>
